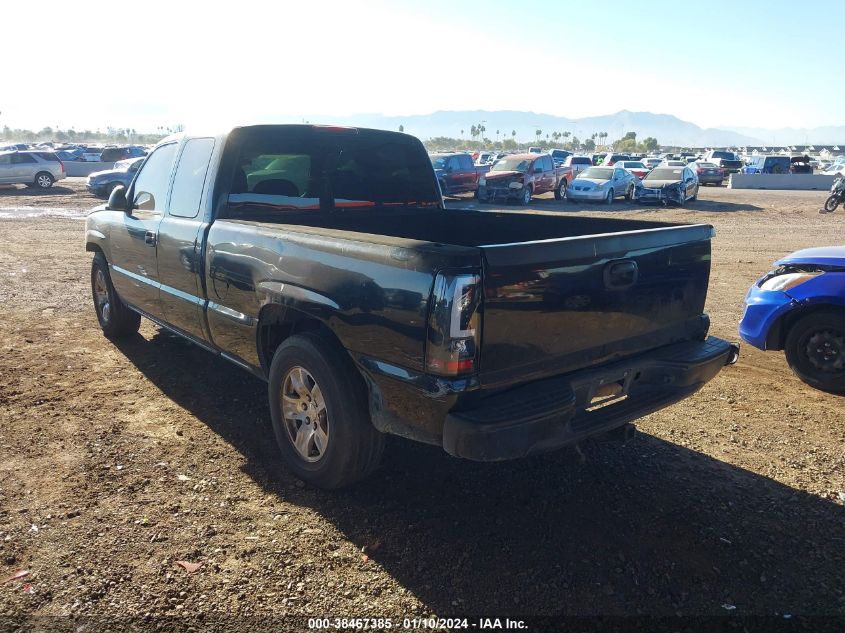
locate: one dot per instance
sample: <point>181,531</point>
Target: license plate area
<point>608,390</point>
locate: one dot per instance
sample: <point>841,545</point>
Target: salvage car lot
<point>117,461</point>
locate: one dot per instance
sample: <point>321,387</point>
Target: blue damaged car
<point>799,307</point>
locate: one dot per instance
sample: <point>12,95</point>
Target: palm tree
<point>401,128</point>
<point>462,133</point>
<point>497,136</point>
<point>538,133</point>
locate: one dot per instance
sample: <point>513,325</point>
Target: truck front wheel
<point>318,406</point>
<point>116,320</point>
<point>815,350</point>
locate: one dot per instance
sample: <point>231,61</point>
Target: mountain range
<point>666,128</point>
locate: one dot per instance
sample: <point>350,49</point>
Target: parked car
<point>636,167</point>
<point>708,173</point>
<point>651,161</point>
<point>67,156</point>
<point>728,162</point>
<point>456,173</point>
<point>799,307</point>
<point>370,308</point>
<point>521,176</point>
<point>535,150</point>
<point>602,184</point>
<point>673,162</point>
<point>578,163</point>
<point>102,183</point>
<point>612,159</point>
<point>559,156</point>
<point>763,164</point>
<point>800,165</point>
<point>668,184</point>
<point>31,168</point>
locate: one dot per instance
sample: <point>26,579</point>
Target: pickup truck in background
<point>521,176</point>
<point>728,162</point>
<point>323,261</point>
<point>456,173</point>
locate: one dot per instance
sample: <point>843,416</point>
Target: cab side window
<point>454,164</point>
<point>190,177</point>
<point>22,159</point>
<point>151,183</point>
<point>466,163</point>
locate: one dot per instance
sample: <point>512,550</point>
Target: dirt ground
<point>118,460</point>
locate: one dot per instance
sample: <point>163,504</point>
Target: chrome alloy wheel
<point>101,296</point>
<point>305,414</point>
<point>44,181</point>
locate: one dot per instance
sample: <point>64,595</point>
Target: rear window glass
<point>51,156</point>
<point>579,160</point>
<point>308,168</point>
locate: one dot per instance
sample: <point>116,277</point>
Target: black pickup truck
<point>322,260</point>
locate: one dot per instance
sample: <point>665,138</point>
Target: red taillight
<point>62,163</point>
<point>454,324</point>
<point>699,170</point>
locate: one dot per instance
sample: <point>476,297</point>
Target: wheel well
<point>277,323</point>
<point>94,248</point>
<point>776,337</point>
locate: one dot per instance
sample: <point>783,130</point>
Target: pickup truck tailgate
<point>559,305</point>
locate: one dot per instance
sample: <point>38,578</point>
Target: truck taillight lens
<point>454,324</point>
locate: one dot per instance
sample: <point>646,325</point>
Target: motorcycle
<point>837,196</point>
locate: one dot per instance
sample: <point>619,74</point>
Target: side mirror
<point>118,201</point>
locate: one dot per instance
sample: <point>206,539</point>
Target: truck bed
<point>560,293</point>
<point>455,226</point>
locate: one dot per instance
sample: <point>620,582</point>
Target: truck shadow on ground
<point>647,527</point>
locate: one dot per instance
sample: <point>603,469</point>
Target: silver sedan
<point>602,184</point>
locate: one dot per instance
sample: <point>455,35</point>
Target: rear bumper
<point>552,413</point>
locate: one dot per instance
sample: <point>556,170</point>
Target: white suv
<point>34,168</point>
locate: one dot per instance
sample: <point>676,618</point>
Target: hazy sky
<point>151,63</point>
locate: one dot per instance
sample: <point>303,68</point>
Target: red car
<point>635,167</point>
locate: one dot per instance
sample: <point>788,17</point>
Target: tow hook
<point>734,355</point>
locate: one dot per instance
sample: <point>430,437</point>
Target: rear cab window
<point>314,169</point>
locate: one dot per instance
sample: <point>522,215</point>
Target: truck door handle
<point>150,238</point>
<point>621,274</point>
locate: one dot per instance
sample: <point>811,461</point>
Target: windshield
<point>664,174</point>
<point>512,164</point>
<point>439,162</point>
<point>599,173</point>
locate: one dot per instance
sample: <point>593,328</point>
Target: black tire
<point>481,197</point>
<point>527,193</point>
<point>682,198</point>
<point>43,180</point>
<point>629,195</point>
<point>610,196</point>
<point>116,320</point>
<point>111,187</point>
<point>353,446</point>
<point>560,192</point>
<point>695,195</point>
<point>831,203</point>
<point>815,350</point>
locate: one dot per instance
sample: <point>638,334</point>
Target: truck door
<point>453,175</point>
<point>180,240</point>
<point>134,269</point>
<point>468,172</point>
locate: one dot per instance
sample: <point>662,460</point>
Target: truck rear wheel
<point>560,192</point>
<point>815,350</point>
<point>320,417</point>
<point>116,320</point>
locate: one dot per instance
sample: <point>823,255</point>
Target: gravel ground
<point>116,461</point>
